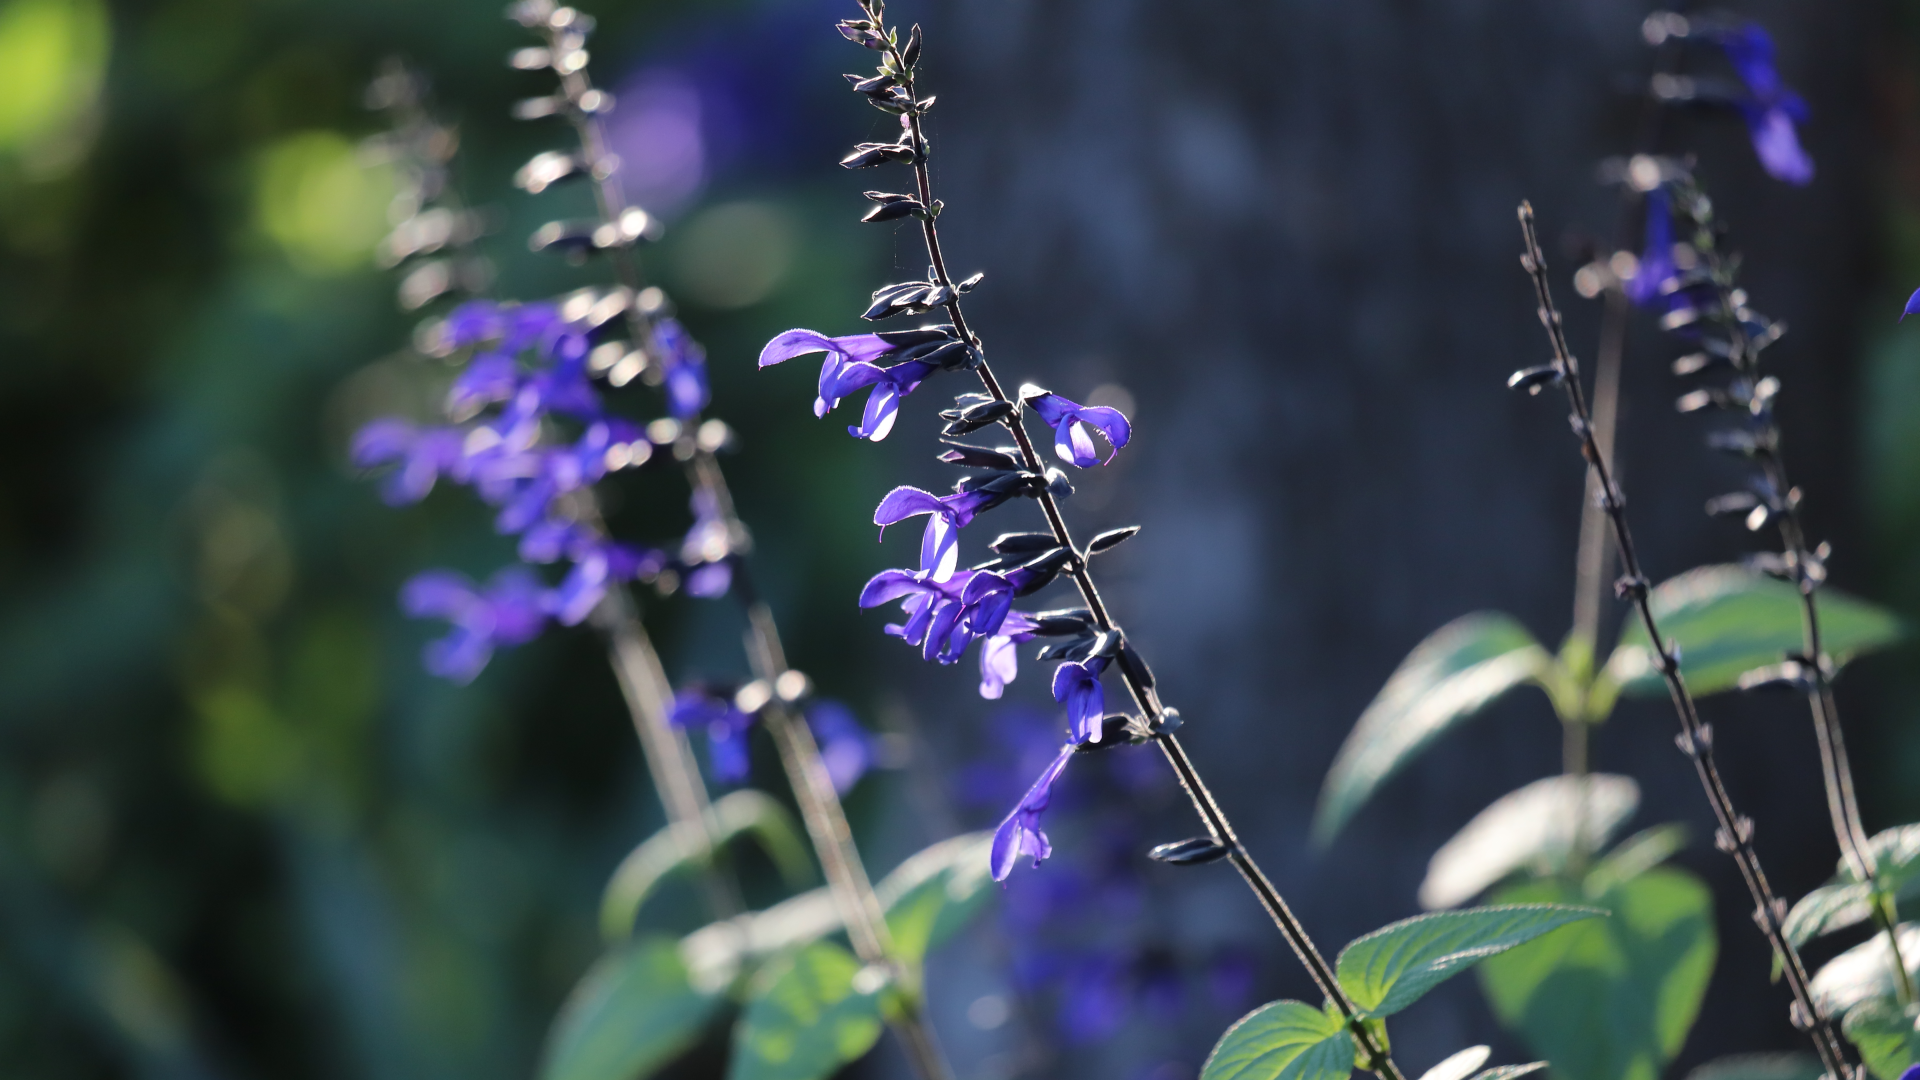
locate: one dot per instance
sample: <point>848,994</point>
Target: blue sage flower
<point>944,617</point>
<point>1077,685</point>
<point>1770,108</point>
<point>422,455</point>
<point>713,710</point>
<point>1656,257</point>
<point>683,370</point>
<point>850,367</point>
<point>1020,834</point>
<point>1913,305</point>
<point>1000,654</point>
<point>940,542</point>
<point>846,748</point>
<point>1070,422</point>
<point>707,552</point>
<point>510,610</point>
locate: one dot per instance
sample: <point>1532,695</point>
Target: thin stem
<point>1735,833</point>
<point>820,809</point>
<point>1138,681</point>
<point>1843,806</point>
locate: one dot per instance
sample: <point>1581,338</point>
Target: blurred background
<point>242,834</point>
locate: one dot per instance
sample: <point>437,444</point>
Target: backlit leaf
<point>1614,997</point>
<point>809,1014</point>
<point>680,847</point>
<point>633,1012</point>
<point>1729,620</point>
<point>1532,827</point>
<point>1282,1040</point>
<point>1864,972</point>
<point>1453,674</point>
<point>1395,966</point>
<point>1884,1032</point>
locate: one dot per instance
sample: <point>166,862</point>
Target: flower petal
<point>904,502</point>
<point>794,343</point>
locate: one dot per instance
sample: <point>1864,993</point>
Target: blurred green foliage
<point>241,834</point>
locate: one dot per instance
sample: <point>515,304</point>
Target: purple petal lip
<point>1913,305</point>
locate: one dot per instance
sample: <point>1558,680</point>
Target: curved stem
<point>1138,679</point>
<point>1735,834</point>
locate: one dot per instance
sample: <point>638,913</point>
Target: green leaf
<point>1885,1034</point>
<point>1282,1040</point>
<point>1864,972</point>
<point>1826,909</point>
<point>633,1012</point>
<point>810,1013</point>
<point>1634,856</point>
<point>1611,999</point>
<point>1508,1072</point>
<point>686,845</point>
<point>1458,670</point>
<point>1760,1067</point>
<point>1395,966</point>
<point>935,892</point>
<point>1529,828</point>
<point>1847,901</point>
<point>1729,620</point>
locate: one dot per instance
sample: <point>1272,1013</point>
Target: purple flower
<point>940,543</point>
<point>1069,422</point>
<point>726,727</point>
<point>943,617</point>
<point>846,749</point>
<point>1913,305</point>
<point>1656,258</point>
<point>423,454</point>
<point>684,367</point>
<point>510,611</point>
<point>1020,833</point>
<point>1078,686</point>
<point>1770,108</point>
<point>1000,654</point>
<point>849,367</point>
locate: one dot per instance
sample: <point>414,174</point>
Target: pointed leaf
<point>808,1015</point>
<point>1826,909</point>
<point>1729,620</point>
<point>1282,1040</point>
<point>1508,1072</point>
<point>633,1012</point>
<point>1393,967</point>
<point>1886,1034</point>
<point>680,847</point>
<point>1613,997</point>
<point>936,892</point>
<point>1454,673</point>
<point>1531,827</point>
<point>1864,972</point>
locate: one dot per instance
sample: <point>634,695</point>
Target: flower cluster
<point>946,608</point>
<point>1770,108</point>
<point>528,430</point>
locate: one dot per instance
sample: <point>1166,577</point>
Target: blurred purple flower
<point>1656,257</point>
<point>511,610</point>
<point>1069,421</point>
<point>657,131</point>
<point>846,748</point>
<point>684,367</point>
<point>707,551</point>
<point>423,456</point>
<point>726,726</point>
<point>1770,108</point>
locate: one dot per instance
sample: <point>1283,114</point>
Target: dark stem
<point>1144,695</point>
<point>1843,806</point>
<point>1735,834</point>
<point>820,808</point>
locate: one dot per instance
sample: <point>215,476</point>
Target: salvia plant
<point>1708,630</point>
<point>529,427</point>
<point>1594,950</point>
